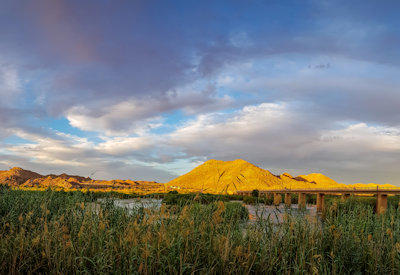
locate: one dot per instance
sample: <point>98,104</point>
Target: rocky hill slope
<point>20,178</point>
<point>213,176</point>
<point>216,176</point>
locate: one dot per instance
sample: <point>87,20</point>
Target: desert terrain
<point>213,177</point>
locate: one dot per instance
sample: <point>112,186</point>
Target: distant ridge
<point>319,179</point>
<point>24,179</point>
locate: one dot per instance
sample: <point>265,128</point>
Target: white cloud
<point>277,137</point>
<point>362,137</point>
<point>117,157</point>
<point>139,116</point>
<point>120,146</point>
<point>123,118</point>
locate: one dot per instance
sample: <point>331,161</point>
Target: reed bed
<point>56,232</point>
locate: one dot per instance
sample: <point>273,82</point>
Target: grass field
<point>66,232</point>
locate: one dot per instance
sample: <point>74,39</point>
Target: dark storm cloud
<point>108,51</point>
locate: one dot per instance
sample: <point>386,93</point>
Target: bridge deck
<point>330,191</point>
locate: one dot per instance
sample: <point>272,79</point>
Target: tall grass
<point>69,233</point>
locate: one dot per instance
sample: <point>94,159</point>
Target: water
<point>260,211</point>
<point>130,204</point>
<point>276,213</point>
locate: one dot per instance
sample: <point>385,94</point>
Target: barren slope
<point>216,176</point>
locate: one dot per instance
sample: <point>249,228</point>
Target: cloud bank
<point>147,90</point>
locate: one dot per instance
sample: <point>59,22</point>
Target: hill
<point>216,176</point>
<point>17,176</point>
<point>213,176</point>
<point>320,179</point>
<point>24,179</point>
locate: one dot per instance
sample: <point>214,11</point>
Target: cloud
<point>10,82</point>
<point>76,155</point>
<point>277,137</point>
<point>349,90</point>
<point>138,116</point>
<point>133,50</point>
<point>145,87</point>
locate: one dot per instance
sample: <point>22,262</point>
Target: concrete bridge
<point>381,195</point>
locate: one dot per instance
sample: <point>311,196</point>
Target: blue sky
<point>150,89</point>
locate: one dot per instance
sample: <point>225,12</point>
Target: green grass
<point>65,232</point>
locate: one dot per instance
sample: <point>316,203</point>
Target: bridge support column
<point>320,202</point>
<point>381,203</point>
<point>288,199</point>
<point>277,199</point>
<point>302,201</point>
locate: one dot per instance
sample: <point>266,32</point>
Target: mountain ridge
<point>217,176</point>
<point>230,175</point>
<point>213,176</point>
<point>17,177</point>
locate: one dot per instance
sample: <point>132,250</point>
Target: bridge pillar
<point>288,199</point>
<point>320,202</point>
<point>277,199</point>
<point>381,203</point>
<point>302,201</point>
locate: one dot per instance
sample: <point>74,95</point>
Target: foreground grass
<point>67,233</point>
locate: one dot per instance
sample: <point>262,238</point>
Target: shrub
<point>255,193</point>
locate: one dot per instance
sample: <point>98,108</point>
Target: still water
<point>260,211</point>
<point>276,213</point>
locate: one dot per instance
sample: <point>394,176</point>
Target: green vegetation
<point>174,198</point>
<point>255,193</point>
<point>68,232</point>
<point>256,200</point>
<point>269,199</point>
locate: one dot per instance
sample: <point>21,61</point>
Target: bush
<point>255,193</point>
<point>184,199</point>
<point>255,200</point>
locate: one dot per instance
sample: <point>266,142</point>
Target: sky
<point>150,89</point>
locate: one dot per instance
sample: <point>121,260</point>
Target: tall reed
<point>69,233</point>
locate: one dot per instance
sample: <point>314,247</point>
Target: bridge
<point>381,195</point>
